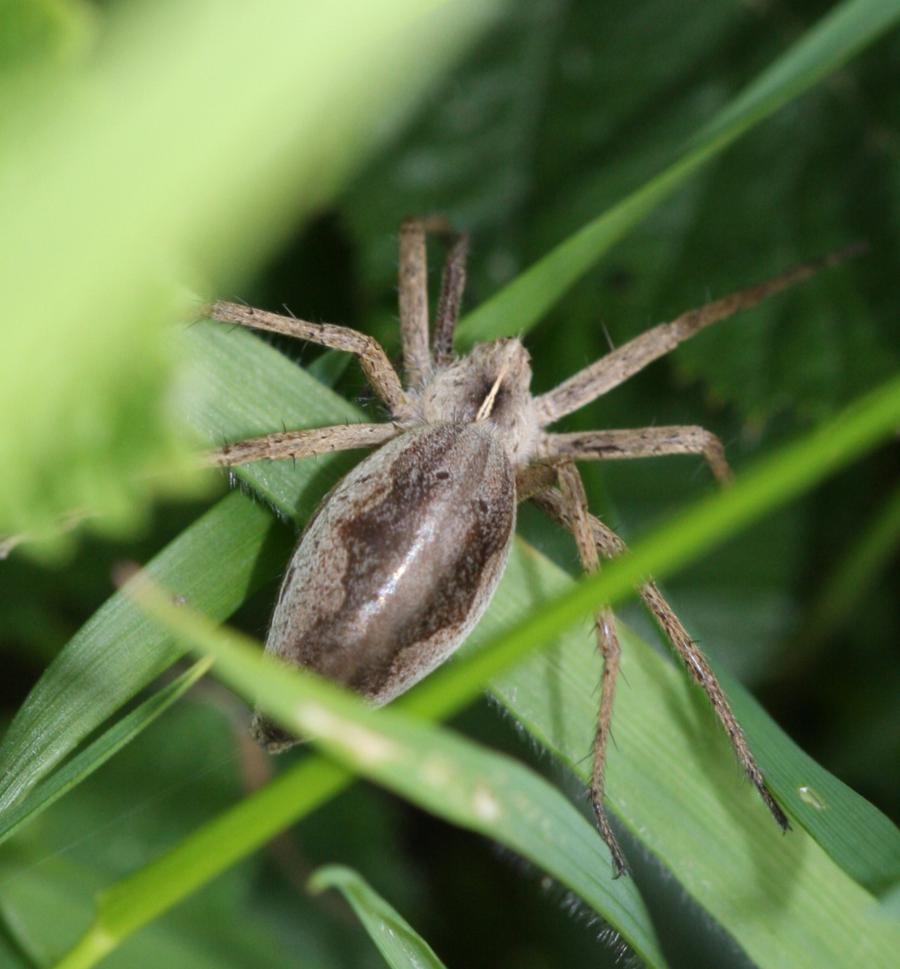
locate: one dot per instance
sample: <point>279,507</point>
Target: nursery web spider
<point>402,557</point>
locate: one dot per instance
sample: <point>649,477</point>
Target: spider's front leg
<point>630,358</point>
<point>283,445</point>
<point>374,361</point>
<point>419,356</point>
<point>289,445</point>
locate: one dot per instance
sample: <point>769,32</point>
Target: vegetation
<point>613,170</point>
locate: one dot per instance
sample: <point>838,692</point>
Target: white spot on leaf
<point>485,805</point>
<point>366,746</point>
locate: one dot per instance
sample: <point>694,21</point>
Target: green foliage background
<point>552,117</point>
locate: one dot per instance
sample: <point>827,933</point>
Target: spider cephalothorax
<point>490,385</point>
<point>403,556</point>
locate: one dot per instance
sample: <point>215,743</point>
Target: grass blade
<point>399,943</point>
<point>454,779</point>
<point>99,751</point>
<point>862,840</point>
<point>842,32</point>
<point>117,653</point>
<point>657,771</point>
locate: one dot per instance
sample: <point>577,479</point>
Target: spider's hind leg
<point>556,506</point>
<point>577,520</point>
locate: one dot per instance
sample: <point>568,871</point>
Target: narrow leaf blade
<point>95,755</point>
<point>399,943</point>
<point>451,777</point>
<point>830,43</point>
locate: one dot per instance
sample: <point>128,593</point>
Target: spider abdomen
<point>398,564</point>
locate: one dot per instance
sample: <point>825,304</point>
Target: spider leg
<point>645,442</point>
<point>285,445</point>
<point>412,284</point>
<point>374,361</point>
<point>418,358</point>
<point>610,546</point>
<point>616,367</point>
<point>453,284</point>
<point>574,500</point>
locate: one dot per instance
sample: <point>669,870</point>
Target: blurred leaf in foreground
<point>176,167</point>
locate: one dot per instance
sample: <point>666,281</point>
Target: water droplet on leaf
<point>811,796</point>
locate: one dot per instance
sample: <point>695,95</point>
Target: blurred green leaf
<point>41,32</point>
<point>91,247</point>
<point>399,943</point>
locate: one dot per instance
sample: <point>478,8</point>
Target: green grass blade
<point>95,755</point>
<point>399,943</point>
<point>829,44</point>
<point>862,840</point>
<point>453,778</point>
<point>215,564</point>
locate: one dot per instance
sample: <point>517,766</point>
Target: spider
<point>402,557</point>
